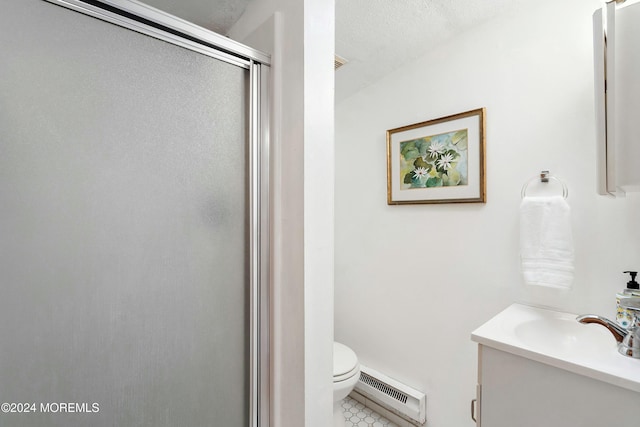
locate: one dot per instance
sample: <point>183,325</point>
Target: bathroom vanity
<point>539,367</point>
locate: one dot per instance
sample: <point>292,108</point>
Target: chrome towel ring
<point>544,176</point>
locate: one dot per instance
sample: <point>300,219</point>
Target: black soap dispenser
<point>623,316</point>
<point>633,288</point>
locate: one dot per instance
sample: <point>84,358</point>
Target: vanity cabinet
<point>539,367</point>
<point>516,391</point>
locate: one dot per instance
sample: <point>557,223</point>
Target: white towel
<point>546,242</point>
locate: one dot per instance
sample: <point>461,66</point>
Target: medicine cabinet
<point>617,94</point>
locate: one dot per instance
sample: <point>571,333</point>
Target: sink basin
<point>564,336</point>
<point>557,339</point>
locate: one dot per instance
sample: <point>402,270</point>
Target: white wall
<point>412,282</point>
<point>301,44</point>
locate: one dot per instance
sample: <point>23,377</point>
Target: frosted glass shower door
<point>124,279</point>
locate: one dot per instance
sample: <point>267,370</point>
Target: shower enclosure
<point>133,220</point>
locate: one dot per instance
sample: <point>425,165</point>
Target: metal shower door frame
<point>139,17</point>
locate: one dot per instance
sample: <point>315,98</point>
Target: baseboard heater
<point>402,400</point>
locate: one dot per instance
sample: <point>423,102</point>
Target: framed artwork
<point>438,161</point>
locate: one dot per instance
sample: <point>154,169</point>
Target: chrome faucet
<point>628,339</point>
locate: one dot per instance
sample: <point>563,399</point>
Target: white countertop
<point>557,339</point>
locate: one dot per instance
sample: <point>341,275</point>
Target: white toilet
<point>346,373</point>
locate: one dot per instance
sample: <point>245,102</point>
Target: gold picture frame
<point>438,161</point>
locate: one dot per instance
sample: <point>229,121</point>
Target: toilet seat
<point>346,376</point>
<point>345,362</point>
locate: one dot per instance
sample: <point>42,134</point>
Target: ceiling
<point>374,36</point>
<point>215,15</point>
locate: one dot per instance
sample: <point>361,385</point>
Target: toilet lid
<point>344,360</point>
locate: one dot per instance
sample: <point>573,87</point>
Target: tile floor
<point>358,415</point>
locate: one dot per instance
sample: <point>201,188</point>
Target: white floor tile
<point>358,415</point>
